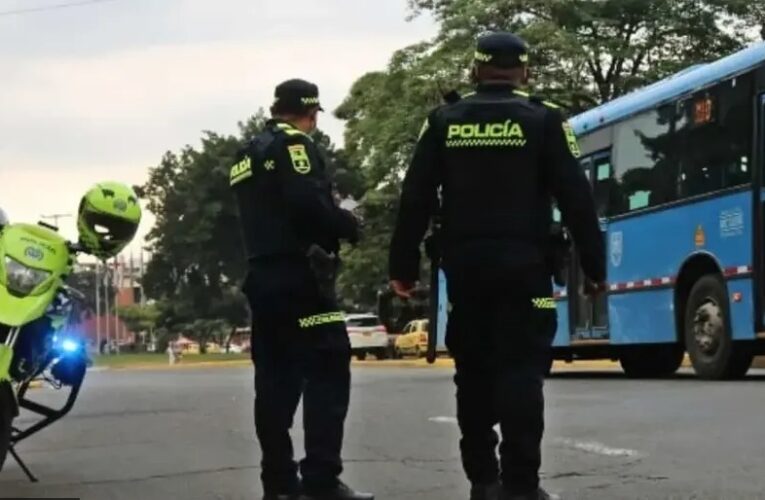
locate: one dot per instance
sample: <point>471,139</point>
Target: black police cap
<point>296,96</point>
<point>502,49</point>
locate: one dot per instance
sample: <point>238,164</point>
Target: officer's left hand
<point>402,288</point>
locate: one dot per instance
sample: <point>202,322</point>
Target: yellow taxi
<point>413,339</point>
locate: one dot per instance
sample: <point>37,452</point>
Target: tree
<point>590,51</point>
<point>197,260</point>
<point>141,319</point>
<point>583,52</point>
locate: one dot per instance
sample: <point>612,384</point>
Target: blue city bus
<point>677,173</point>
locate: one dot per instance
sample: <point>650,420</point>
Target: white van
<point>368,336</point>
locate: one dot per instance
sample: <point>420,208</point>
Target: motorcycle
<point>38,318</point>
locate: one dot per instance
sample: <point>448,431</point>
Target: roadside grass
<point>148,359</point>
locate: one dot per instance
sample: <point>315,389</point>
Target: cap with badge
<point>296,96</point>
<point>502,49</point>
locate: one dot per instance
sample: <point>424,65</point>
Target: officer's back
<point>494,203</point>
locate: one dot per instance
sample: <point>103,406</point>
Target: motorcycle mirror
<point>49,226</point>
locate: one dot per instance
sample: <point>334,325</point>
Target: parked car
<point>368,336</point>
<point>413,339</point>
<point>235,349</point>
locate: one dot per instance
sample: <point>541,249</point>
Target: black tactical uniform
<point>499,157</point>
<point>300,347</point>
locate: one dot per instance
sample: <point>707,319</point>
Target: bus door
<point>589,318</point>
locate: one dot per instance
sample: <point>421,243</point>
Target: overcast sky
<point>101,91</point>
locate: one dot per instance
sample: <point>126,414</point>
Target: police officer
<point>493,161</point>
<point>291,228</point>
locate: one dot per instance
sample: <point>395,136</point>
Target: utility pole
<point>107,291</point>
<point>117,287</point>
<point>98,307</point>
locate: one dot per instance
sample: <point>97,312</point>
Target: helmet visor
<point>113,233</point>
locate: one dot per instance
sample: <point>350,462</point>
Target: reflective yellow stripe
<point>485,143</point>
<point>321,319</point>
<point>549,104</point>
<point>543,303</point>
<point>291,131</point>
<point>573,145</point>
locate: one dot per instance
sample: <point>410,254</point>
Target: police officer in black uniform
<point>490,165</point>
<point>291,228</point>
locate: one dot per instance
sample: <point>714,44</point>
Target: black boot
<point>491,491</point>
<point>340,492</point>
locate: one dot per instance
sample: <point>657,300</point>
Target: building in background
<point>101,324</point>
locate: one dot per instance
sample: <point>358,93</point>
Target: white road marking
<point>597,448</point>
<point>443,420</point>
<point>586,446</point>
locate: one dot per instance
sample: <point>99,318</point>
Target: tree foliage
<point>139,318</point>
<point>589,51</point>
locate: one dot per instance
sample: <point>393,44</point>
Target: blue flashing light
<point>69,345</point>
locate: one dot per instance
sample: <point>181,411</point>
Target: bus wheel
<point>652,362</point>
<point>708,338</point>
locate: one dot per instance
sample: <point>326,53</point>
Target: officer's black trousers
<point>501,340</point>
<point>291,360</point>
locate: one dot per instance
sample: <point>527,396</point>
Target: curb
<point>180,366</point>
<point>402,363</point>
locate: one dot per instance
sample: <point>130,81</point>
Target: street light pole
<point>98,307</point>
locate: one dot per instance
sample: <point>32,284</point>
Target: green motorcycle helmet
<point>108,219</point>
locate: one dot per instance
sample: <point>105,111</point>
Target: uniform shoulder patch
<point>299,157</point>
<point>573,145</point>
<point>241,171</point>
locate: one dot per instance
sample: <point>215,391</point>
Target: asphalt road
<point>187,434</point>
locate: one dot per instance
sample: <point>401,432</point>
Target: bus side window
<point>645,171</point>
<point>714,138</point>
